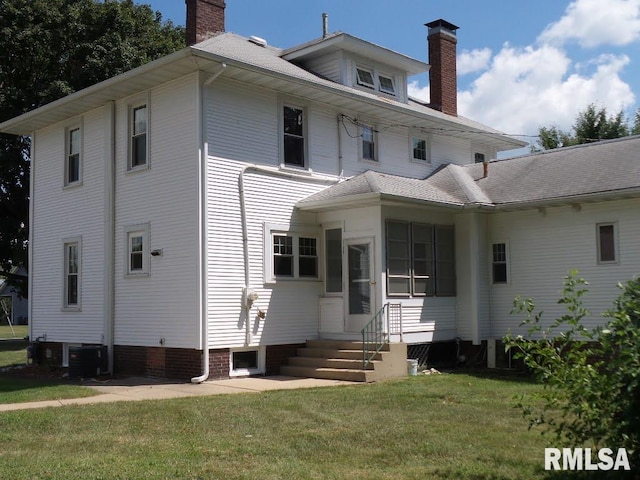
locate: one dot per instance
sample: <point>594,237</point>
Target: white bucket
<point>412,367</point>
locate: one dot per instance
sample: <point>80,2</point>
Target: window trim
<point>362,82</point>
<point>243,372</point>
<point>506,262</point>
<point>132,107</point>
<point>270,232</point>
<point>67,154</point>
<point>362,125</point>
<point>66,306</point>
<point>616,254</point>
<point>129,232</point>
<point>305,135</point>
<point>419,135</point>
<point>393,92</point>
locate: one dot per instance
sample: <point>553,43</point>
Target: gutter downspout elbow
<point>202,218</point>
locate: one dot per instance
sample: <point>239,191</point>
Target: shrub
<point>591,378</point>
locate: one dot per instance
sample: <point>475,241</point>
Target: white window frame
<point>67,154</point>
<point>305,134</point>
<point>391,78</point>
<point>66,306</point>
<point>243,372</point>
<point>362,81</point>
<point>132,231</point>
<point>415,134</point>
<point>270,232</point>
<point>143,102</point>
<point>616,254</point>
<point>506,262</point>
<point>362,126</point>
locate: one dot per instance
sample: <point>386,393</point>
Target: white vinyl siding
<point>164,303</point>
<point>60,216</point>
<point>545,245</point>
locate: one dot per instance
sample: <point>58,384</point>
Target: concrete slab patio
<point>141,388</point>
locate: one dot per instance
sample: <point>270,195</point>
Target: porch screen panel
<point>422,264</point>
<point>398,259</point>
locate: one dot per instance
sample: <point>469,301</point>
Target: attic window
<point>386,85</point>
<point>365,78</point>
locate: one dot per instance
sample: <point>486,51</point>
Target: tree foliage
<point>591,377</point>
<point>49,49</point>
<point>591,125</point>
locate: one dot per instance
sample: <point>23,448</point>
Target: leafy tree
<point>591,125</point>
<point>49,49</point>
<point>591,378</point>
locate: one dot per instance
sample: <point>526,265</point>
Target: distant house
<point>206,214</point>
<point>12,304</point>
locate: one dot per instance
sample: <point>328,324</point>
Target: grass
<point>16,389</point>
<point>19,331</point>
<point>438,427</point>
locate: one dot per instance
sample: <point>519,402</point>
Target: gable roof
<point>260,66</point>
<point>604,170</point>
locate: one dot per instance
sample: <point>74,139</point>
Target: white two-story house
<point>206,214</point>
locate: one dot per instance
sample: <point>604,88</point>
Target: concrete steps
<point>342,360</point>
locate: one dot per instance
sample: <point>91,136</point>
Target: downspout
<point>202,218</point>
<point>245,236</point>
<point>109,232</point>
<point>340,172</point>
<point>32,168</point>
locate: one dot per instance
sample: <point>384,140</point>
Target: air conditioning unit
<point>88,361</point>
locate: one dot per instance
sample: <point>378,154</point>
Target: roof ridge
<point>471,189</point>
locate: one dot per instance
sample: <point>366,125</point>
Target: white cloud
<point>596,22</point>
<point>525,89</point>
<point>470,61</point>
<point>416,91</point>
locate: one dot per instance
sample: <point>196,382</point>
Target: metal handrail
<point>375,334</point>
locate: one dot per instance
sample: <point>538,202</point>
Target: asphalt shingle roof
<point>609,167</point>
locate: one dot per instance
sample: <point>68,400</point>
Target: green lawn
<point>19,331</point>
<point>452,426</point>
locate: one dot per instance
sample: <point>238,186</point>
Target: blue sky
<point>521,64</point>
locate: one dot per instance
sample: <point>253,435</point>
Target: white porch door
<point>360,284</point>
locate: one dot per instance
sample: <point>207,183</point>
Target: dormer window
<point>365,78</point>
<point>386,85</point>
<point>371,78</point>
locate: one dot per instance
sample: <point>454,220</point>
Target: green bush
<point>591,378</point>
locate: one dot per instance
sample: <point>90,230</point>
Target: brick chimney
<point>205,18</point>
<point>443,81</point>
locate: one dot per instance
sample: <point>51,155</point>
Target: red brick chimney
<point>443,81</point>
<point>205,18</point>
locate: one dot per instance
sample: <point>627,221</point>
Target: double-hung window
<point>368,143</point>
<point>73,156</point>
<point>139,147</point>
<point>71,295</point>
<point>137,250</point>
<point>294,148</point>
<point>499,262</point>
<point>420,259</point>
<point>293,255</point>
<point>419,146</point>
<point>607,243</point>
